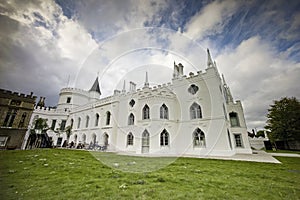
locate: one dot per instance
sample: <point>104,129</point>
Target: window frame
<point>63,125</point>
<point>130,139</point>
<point>234,119</point>
<point>132,102</point>
<point>195,111</point>
<point>69,99</point>
<point>199,135</point>
<point>164,138</point>
<point>145,138</point>
<point>238,139</point>
<point>97,119</point>
<point>3,142</point>
<point>146,112</point>
<point>131,119</point>
<point>108,116</point>
<point>79,122</point>
<point>53,124</point>
<point>164,112</point>
<point>87,121</point>
<point>22,120</point>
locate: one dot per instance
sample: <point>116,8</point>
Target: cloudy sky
<point>47,45</point>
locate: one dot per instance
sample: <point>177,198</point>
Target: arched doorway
<point>83,139</point>
<point>75,139</point>
<point>94,137</point>
<point>105,139</point>
<point>145,142</point>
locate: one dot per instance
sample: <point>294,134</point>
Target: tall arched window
<point>75,138</point>
<point>108,118</point>
<point>164,138</point>
<point>131,119</point>
<point>198,138</point>
<point>146,112</point>
<point>22,121</point>
<point>195,111</point>
<point>164,112</point>
<point>87,121</point>
<point>145,138</point>
<point>94,137</point>
<point>105,139</point>
<point>97,119</point>
<point>130,139</point>
<point>234,120</point>
<point>83,138</point>
<point>72,122</point>
<point>79,122</point>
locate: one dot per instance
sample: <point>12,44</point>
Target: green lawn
<point>70,174</point>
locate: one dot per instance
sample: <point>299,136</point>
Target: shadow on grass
<point>133,164</point>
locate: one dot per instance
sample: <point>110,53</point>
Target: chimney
<point>132,86</point>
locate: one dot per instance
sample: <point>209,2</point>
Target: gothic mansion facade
<point>193,115</point>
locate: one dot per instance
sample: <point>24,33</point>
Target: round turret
<point>72,97</point>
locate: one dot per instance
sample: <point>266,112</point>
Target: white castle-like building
<point>193,115</point>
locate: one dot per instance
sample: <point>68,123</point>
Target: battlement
<point>20,96</point>
<point>50,110</point>
<point>74,90</point>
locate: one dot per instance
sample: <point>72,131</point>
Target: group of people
<point>91,146</point>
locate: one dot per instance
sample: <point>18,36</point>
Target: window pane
<point>238,140</point>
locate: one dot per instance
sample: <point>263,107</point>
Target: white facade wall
<point>210,95</point>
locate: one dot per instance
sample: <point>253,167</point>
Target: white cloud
<point>258,75</point>
<point>74,41</point>
<point>43,44</point>
<point>210,19</point>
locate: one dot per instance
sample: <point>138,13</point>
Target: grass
<point>70,174</point>
<point>283,151</point>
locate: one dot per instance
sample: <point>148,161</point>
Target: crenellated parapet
<point>49,110</point>
<point>74,91</point>
<point>17,96</point>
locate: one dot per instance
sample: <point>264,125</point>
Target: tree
<point>35,139</point>
<point>284,120</point>
<point>260,133</point>
<point>41,124</point>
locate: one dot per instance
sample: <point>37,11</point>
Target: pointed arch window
<point>83,138</point>
<point>72,122</point>
<point>108,115</point>
<point>164,138</point>
<point>234,120</point>
<point>75,138</point>
<point>146,112</point>
<point>97,119</point>
<point>131,119</point>
<point>164,112</point>
<point>145,138</point>
<point>79,122</point>
<point>198,138</point>
<point>87,121</point>
<point>105,139</point>
<point>94,138</point>
<point>130,139</point>
<point>195,111</point>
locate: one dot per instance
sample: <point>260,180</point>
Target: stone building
<point>15,113</point>
<point>192,115</point>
